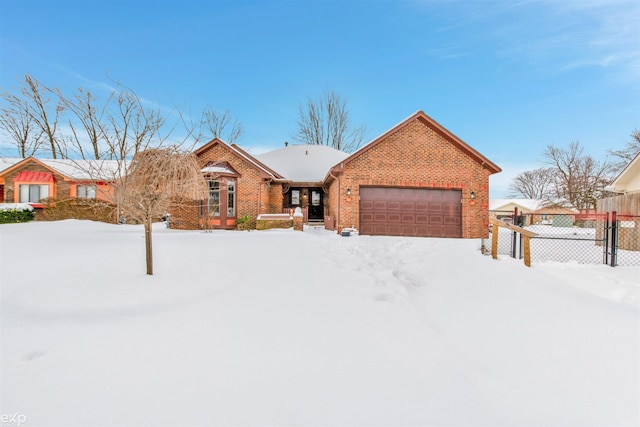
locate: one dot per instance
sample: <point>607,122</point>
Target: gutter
<point>338,211</point>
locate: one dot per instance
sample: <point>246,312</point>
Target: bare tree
<point>221,125</point>
<point>625,155</point>
<point>326,121</point>
<point>17,122</point>
<point>579,178</point>
<point>132,128</point>
<point>534,184</point>
<point>91,114</point>
<point>45,115</point>
<point>157,180</point>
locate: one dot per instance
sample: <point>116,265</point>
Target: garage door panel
<point>380,217</point>
<point>408,218</point>
<point>394,217</point>
<point>397,211</point>
<point>448,220</point>
<point>422,219</point>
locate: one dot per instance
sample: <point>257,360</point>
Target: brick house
<point>31,180</point>
<point>417,179</point>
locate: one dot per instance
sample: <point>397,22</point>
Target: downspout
<point>338,180</point>
<point>259,199</point>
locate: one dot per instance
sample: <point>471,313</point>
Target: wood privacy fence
<point>624,204</point>
<point>627,209</point>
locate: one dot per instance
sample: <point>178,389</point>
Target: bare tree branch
<point>221,125</point>
<point>156,180</point>
<point>19,125</point>
<point>326,121</point>
<point>626,154</point>
<point>578,178</point>
<point>45,116</point>
<point>535,184</point>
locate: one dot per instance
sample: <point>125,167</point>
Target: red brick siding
<point>252,195</point>
<point>61,188</point>
<point>274,199</point>
<point>416,156</point>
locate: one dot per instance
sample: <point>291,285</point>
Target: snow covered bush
<point>13,215</point>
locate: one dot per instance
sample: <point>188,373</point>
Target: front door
<point>316,207</point>
<point>222,203</point>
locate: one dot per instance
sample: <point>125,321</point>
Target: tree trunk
<point>148,246</point>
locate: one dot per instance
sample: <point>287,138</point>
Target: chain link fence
<point>583,238</point>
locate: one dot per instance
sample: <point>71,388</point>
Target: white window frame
<point>86,191</point>
<point>25,192</point>
<point>231,198</point>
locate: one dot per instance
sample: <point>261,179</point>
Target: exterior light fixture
<point>348,191</point>
<point>473,194</point>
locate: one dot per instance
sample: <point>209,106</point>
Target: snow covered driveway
<point>290,328</point>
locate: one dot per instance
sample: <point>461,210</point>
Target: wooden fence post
<point>496,224</point>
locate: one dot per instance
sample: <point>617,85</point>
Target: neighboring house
<point>535,211</point>
<point>32,180</point>
<point>417,179</point>
<point>5,163</point>
<point>628,181</point>
<point>626,205</point>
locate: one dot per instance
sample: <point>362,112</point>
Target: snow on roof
<point>628,180</point>
<point>217,169</point>
<point>87,169</point>
<point>529,204</point>
<point>7,162</point>
<point>303,163</point>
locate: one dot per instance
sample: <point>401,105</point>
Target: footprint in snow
<point>384,297</point>
<point>32,356</point>
<point>405,279</point>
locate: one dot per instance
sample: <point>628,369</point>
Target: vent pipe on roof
<point>286,143</point>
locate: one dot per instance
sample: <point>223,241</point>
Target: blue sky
<point>508,77</point>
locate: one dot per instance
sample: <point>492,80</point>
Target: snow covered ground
<point>290,328</point>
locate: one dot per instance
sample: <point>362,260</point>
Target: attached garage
<point>401,211</point>
<point>416,179</point>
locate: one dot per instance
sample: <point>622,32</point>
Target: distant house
<point>417,179</point>
<point>534,211</point>
<point>33,180</point>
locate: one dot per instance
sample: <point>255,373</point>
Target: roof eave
<point>422,116</point>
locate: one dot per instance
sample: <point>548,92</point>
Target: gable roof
<point>303,163</point>
<point>629,178</point>
<point>529,204</point>
<point>7,162</point>
<point>81,170</point>
<point>265,171</point>
<point>437,127</point>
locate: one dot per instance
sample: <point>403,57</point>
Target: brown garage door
<point>393,211</point>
